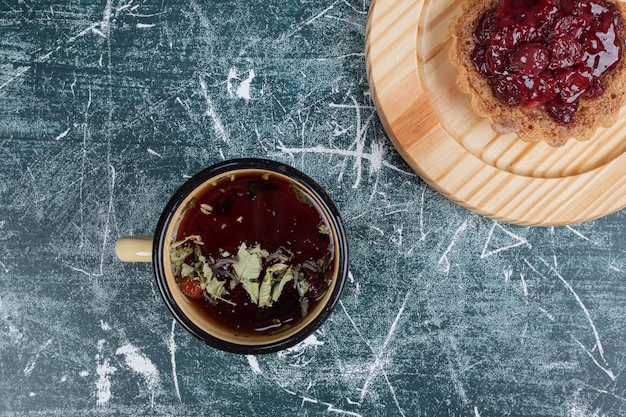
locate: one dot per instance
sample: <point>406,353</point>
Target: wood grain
<point>431,124</point>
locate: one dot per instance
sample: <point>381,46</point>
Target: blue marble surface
<point>106,107</point>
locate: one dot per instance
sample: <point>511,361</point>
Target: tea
<point>254,251</point>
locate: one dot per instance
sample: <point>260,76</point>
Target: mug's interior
<point>212,326</point>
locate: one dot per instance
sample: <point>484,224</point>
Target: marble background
<point>106,107</point>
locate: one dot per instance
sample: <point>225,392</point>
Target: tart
<point>546,70</point>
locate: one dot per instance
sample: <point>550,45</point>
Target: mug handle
<point>134,249</point>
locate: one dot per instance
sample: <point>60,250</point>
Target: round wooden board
<point>431,124</point>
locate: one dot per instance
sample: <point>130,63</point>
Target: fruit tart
<point>545,69</point>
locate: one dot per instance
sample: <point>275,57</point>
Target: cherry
<point>566,51</point>
<point>504,41</point>
<point>572,84</point>
<point>595,89</point>
<point>562,113</point>
<point>509,89</point>
<point>478,58</point>
<point>549,53</point>
<point>545,88</point>
<point>569,25</point>
<point>529,58</point>
<point>485,29</point>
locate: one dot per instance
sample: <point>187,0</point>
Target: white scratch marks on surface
<point>444,258</point>
<point>86,136</point>
<point>306,399</point>
<point>603,391</point>
<point>357,10</point>
<point>62,134</point>
<point>391,389</point>
<point>454,374</point>
<point>576,409</point>
<point>476,413</point>
<point>18,73</point>
<point>596,335</point>
<point>155,153</point>
<point>378,229</point>
<point>548,315</point>
<point>72,87</point>
<point>350,106</point>
<point>103,383</point>
<point>230,87</point>
<point>47,55</point>
<point>393,394</point>
<point>30,173</point>
<point>31,365</point>
<point>210,111</point>
<point>145,25</point>
<point>171,345</point>
<point>358,24</point>
<point>254,364</point>
<point>359,141</point>
<point>106,18</point>
<point>311,19</point>
<point>380,358</point>
<point>102,35</point>
<point>355,326</point>
<point>423,235</point>
<point>342,56</point>
<point>517,241</point>
<point>184,105</point>
<point>340,152</point>
<point>605,370</point>
<point>582,306</point>
<point>329,407</point>
<point>615,260</point>
<point>524,286</point>
<point>204,21</point>
<point>140,15</point>
<point>105,233</point>
<point>356,150</point>
<point>83,32</point>
<point>140,364</point>
<point>101,28</point>
<point>508,273</point>
<point>560,365</point>
<point>396,238</point>
<point>243,89</point>
<point>577,233</point>
<point>300,348</point>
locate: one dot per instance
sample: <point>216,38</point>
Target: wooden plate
<point>431,124</point>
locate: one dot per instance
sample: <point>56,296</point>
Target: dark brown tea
<point>254,251</point>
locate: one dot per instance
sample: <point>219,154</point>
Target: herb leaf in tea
<point>248,265</point>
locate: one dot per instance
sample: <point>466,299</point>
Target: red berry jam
<point>549,53</point>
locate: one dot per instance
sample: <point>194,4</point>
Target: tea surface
<point>254,252</point>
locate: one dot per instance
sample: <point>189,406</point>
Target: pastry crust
<point>530,124</point>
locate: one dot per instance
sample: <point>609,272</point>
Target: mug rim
<point>160,235</point>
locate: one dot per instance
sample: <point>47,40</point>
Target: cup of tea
<point>249,255</point>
